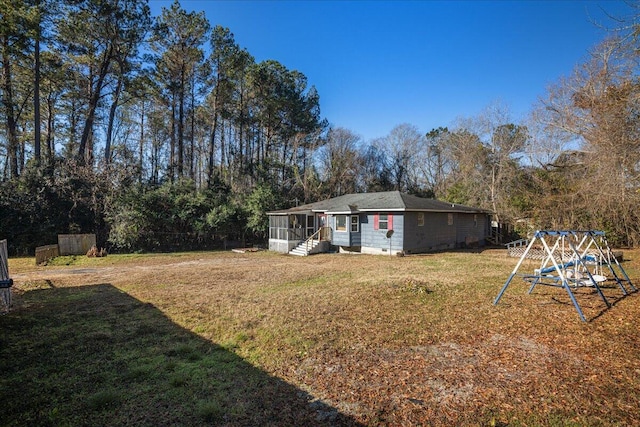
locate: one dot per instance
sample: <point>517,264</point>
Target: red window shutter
<point>376,219</point>
<point>390,227</point>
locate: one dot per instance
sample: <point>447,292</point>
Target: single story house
<point>388,222</point>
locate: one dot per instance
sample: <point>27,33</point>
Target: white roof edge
<point>327,211</point>
<point>452,210</point>
<point>448,210</point>
<point>384,210</point>
<point>287,213</point>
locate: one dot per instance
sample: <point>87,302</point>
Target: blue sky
<point>377,64</point>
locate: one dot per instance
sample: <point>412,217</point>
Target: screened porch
<point>291,227</point>
<point>287,230</point>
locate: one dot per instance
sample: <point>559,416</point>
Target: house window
<point>383,222</point>
<point>475,220</point>
<point>341,223</point>
<point>450,219</point>
<point>420,219</point>
<point>355,224</point>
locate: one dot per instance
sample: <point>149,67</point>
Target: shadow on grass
<point>94,355</point>
<point>591,304</point>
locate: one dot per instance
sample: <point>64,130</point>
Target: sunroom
<point>287,230</point>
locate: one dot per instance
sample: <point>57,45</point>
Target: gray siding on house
<point>368,237</point>
<point>345,238</point>
<point>435,234</point>
<point>338,238</point>
<point>471,229</point>
<point>438,234</point>
<point>372,238</point>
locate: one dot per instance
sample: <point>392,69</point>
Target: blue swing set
<point>571,259</point>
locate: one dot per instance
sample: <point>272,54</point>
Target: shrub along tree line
<point>187,145</point>
<point>126,215</point>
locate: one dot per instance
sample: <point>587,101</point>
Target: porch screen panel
<point>278,226</point>
<point>283,226</point>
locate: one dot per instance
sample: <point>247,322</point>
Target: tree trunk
<point>172,148</point>
<point>12,132</point>
<point>112,115</point>
<point>49,141</point>
<point>212,143</point>
<point>141,143</point>
<point>93,104</point>
<point>222,152</point>
<point>181,124</point>
<point>36,98</point>
<point>192,170</point>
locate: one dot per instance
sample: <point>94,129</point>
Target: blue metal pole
<point>515,270</point>
<point>565,284</point>
<point>584,266</point>
<point>573,299</point>
<point>504,288</point>
<point>533,285</point>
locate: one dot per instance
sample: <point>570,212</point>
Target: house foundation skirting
<point>379,251</point>
<point>282,246</point>
<point>349,249</point>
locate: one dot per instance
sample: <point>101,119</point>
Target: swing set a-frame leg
<point>565,285</point>
<point>504,288</point>
<point>515,270</point>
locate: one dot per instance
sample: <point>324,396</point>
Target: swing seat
<point>599,278</point>
<point>596,278</point>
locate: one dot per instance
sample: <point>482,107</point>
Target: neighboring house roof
<point>383,201</point>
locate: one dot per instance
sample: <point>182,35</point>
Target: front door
<point>321,221</point>
<point>310,225</point>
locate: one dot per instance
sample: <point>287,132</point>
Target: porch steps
<point>301,249</point>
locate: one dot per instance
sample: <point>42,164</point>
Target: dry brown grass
<point>396,341</point>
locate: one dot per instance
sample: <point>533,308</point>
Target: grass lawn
<point>266,339</point>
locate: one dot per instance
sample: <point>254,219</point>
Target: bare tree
<point>339,162</point>
<point>436,165</point>
<point>402,148</point>
<point>599,106</point>
<point>504,142</point>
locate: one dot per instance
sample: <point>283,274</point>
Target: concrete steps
<point>301,250</point>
